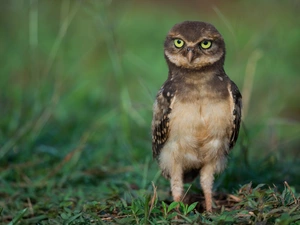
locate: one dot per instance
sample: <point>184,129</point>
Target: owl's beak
<point>190,54</point>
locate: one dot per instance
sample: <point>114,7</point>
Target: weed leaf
<point>173,205</point>
<point>191,207</point>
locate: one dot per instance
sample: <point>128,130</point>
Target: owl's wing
<point>161,111</point>
<point>237,113</point>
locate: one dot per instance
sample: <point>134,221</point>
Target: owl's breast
<point>202,119</point>
<point>200,126</point>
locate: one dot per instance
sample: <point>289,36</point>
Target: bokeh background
<point>78,80</point>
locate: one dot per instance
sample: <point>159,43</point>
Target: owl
<point>197,111</point>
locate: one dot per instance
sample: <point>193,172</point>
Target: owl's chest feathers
<point>200,123</point>
<point>203,109</point>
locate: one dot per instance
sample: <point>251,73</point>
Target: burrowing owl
<point>197,112</point>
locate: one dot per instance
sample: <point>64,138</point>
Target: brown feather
<point>237,113</point>
<point>160,124</point>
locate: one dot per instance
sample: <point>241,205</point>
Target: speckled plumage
<point>197,112</point>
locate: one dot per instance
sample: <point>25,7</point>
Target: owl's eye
<point>178,43</point>
<point>205,44</point>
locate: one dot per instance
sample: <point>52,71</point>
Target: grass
<point>77,83</point>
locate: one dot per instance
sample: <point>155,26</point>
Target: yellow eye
<point>178,43</point>
<point>206,44</point>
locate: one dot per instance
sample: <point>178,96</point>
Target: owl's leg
<point>206,181</point>
<point>177,183</point>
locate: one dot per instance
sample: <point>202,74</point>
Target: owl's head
<point>194,45</point>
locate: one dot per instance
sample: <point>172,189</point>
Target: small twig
<point>186,192</point>
<point>153,199</point>
<point>274,193</point>
<point>30,207</point>
<point>234,198</point>
<point>110,218</point>
<point>291,192</point>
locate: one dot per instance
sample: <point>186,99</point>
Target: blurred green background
<point>78,80</point>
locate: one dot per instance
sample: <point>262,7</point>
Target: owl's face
<point>194,45</point>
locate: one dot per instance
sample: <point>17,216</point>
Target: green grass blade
<point>18,217</point>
